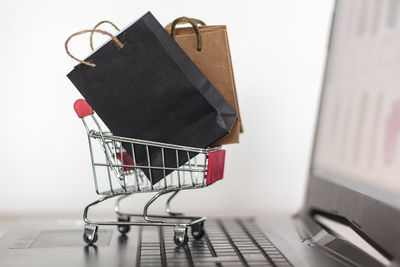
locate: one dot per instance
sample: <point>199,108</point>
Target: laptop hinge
<point>343,241</point>
<point>336,243</point>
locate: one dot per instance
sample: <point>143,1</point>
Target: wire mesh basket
<point>116,173</point>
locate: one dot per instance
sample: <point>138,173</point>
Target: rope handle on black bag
<point>115,39</point>
<point>97,25</point>
<point>193,22</point>
<point>168,26</point>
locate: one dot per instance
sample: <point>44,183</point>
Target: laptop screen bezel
<point>377,221</point>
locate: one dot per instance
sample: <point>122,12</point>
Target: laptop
<point>351,212</point>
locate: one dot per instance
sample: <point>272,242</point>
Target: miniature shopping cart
<point>116,174</point>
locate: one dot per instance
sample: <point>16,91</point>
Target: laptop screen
<point>358,136</point>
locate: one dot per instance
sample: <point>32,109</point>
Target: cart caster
<point>123,229</point>
<point>90,235</point>
<point>181,237</point>
<point>198,230</point>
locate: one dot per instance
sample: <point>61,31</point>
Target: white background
<point>278,49</point>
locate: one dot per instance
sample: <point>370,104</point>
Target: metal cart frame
<point>120,166</point>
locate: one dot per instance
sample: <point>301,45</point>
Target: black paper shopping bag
<point>149,89</point>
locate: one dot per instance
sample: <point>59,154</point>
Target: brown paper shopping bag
<point>146,87</point>
<point>208,48</point>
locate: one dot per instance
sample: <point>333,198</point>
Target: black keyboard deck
<point>227,242</point>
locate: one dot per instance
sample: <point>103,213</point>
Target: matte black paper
<point>151,90</point>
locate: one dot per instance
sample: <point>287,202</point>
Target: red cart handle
<point>216,164</point>
<point>82,108</point>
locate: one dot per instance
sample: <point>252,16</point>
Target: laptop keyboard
<point>227,242</point>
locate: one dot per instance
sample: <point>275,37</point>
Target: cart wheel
<point>181,237</point>
<point>90,235</point>
<point>198,230</point>
<point>123,229</point>
<point>87,240</point>
<point>181,241</point>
